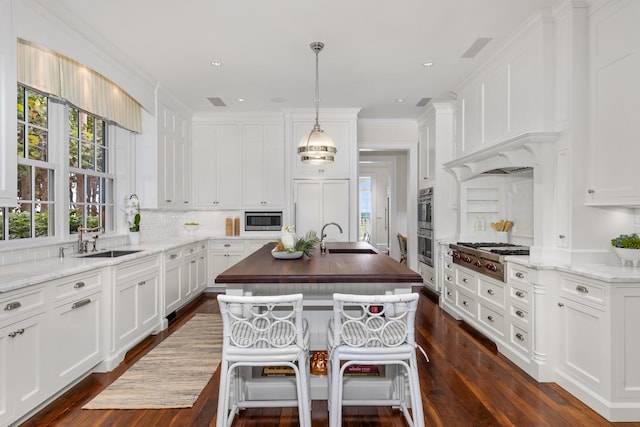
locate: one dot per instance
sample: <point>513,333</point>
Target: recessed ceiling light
<point>240,99</point>
<point>216,63</point>
<point>427,64</point>
<point>400,100</point>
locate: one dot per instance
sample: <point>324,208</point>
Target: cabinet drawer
<point>491,292</point>
<point>226,245</point>
<point>22,302</point>
<point>522,296</point>
<point>132,268</point>
<point>466,303</point>
<point>73,286</point>
<point>518,274</point>
<point>448,293</point>
<point>491,319</point>
<point>520,314</point>
<point>466,280</point>
<point>519,338</point>
<point>174,255</point>
<point>582,290</point>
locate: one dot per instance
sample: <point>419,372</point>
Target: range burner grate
<point>484,244</point>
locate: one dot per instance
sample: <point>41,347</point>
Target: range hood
<point>520,154</point>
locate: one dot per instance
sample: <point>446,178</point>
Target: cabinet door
<point>172,292</point>
<point>263,164</point>
<point>126,322</point>
<point>22,345</point>
<point>320,202</point>
<point>190,276</point>
<point>77,330</point>
<point>204,174</point>
<point>308,206</point>
<point>166,170</point>
<point>148,289</point>
<point>583,344</point>
<point>201,271</point>
<point>274,166</point>
<point>228,166</point>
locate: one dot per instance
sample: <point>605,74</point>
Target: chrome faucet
<point>82,246</point>
<point>323,247</point>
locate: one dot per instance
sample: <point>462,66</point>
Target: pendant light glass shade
<point>317,147</point>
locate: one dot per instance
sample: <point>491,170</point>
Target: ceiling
<point>373,56</point>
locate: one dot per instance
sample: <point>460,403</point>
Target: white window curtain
<point>61,76</point>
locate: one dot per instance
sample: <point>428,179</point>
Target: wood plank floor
<point>467,383</point>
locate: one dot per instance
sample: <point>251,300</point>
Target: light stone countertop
<point>603,272</point>
<point>20,275</point>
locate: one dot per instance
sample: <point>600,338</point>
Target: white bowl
<point>286,255</point>
<point>632,255</point>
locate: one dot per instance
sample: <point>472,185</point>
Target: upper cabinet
<point>217,167</point>
<point>8,159</point>
<point>613,71</point>
<point>510,94</point>
<point>264,166</point>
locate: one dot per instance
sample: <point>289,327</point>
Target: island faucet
<point>82,247</point>
<point>323,247</point>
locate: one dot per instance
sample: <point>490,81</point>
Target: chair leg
<point>335,384</point>
<point>416,397</point>
<point>223,395</point>
<point>304,398</point>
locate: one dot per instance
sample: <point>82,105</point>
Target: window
<point>90,186</point>
<point>365,206</point>
<point>34,216</point>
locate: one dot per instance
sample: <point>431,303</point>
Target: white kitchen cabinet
<point>614,65</point>
<point>136,300</point>
<point>201,267</point>
<point>77,326</point>
<point>184,275</point>
<point>23,352</point>
<point>263,158</point>
<point>426,153</point>
<point>172,281</point>
<point>222,254</point>
<point>8,125</point>
<point>217,166</point>
<point>318,202</point>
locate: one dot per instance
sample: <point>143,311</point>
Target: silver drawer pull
<point>490,319</point>
<point>490,291</point>
<point>519,336</point>
<point>448,293</point>
<point>582,289</point>
<point>448,265</point>
<point>173,256</point>
<point>519,313</point>
<point>465,280</point>
<point>193,262</point>
<point>519,275</point>
<point>227,245</point>
<point>80,303</point>
<point>142,282</point>
<point>12,305</point>
<point>79,285</point>
<point>448,278</point>
<point>191,250</point>
<point>520,294</point>
<point>466,304</point>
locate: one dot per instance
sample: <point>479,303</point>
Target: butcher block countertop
<point>330,267</point>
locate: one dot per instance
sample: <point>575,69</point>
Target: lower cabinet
<point>223,254</point>
<point>185,270</point>
<point>136,300</point>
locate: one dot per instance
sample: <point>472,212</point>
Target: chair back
<point>262,321</point>
<point>374,320</point>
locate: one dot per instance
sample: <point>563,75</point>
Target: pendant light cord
<point>317,100</point>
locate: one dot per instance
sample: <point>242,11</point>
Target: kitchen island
<point>346,267</point>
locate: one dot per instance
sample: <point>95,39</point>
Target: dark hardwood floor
<point>467,383</point>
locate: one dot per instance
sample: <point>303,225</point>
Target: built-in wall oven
<point>425,226</point>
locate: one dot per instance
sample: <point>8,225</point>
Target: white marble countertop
<point>604,272</point>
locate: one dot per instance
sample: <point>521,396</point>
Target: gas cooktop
<point>496,248</point>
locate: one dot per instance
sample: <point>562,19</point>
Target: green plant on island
<point>626,241</point>
<point>302,244</point>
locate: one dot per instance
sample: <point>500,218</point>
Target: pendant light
<point>317,147</point>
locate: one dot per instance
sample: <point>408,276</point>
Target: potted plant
<point>132,213</point>
<point>627,247</point>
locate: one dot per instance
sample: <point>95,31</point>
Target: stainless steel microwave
<point>263,221</point>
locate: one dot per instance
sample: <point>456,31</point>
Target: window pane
<point>73,122</point>
<point>37,113</point>
<point>74,161</point>
<point>88,159</point>
<point>93,189</point>
<point>20,222</point>
<point>44,220</point>
<point>20,103</point>
<point>43,184</point>
<point>2,223</point>
<point>20,139</point>
<point>100,132</point>
<point>101,159</point>
<point>24,182</point>
<point>75,218</point>
<point>93,216</point>
<point>76,188</point>
<point>37,144</point>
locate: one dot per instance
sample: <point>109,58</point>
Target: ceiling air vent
<point>423,102</point>
<point>217,102</point>
<point>476,47</point>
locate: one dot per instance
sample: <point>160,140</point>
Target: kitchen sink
<point>109,254</point>
<point>351,251</point>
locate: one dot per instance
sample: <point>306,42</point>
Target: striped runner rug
<point>171,375</point>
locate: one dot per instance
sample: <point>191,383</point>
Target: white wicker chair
<point>374,330</point>
<point>262,331</point>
